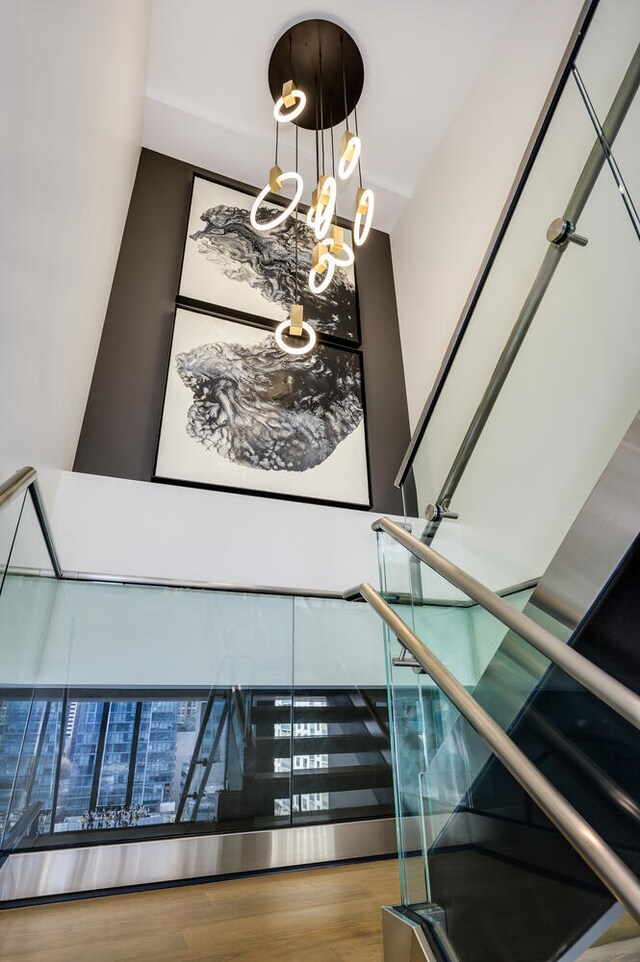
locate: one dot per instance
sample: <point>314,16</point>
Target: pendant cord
<point>296,224</point>
<point>277,132</point>
<point>344,85</point>
<point>317,148</point>
<point>321,105</point>
<point>355,115</point>
<point>333,163</point>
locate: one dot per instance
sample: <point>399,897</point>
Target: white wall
<point>72,76</point>
<point>443,234</point>
<point>109,525</point>
<point>407,46</point>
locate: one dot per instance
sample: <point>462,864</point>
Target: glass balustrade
<point>29,725</point>
<point>472,844</point>
<point>609,47</point>
<point>133,711</point>
<point>566,396</point>
<point>500,882</point>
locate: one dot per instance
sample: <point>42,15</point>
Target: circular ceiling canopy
<point>324,62</point>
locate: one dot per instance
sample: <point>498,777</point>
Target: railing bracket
<point>436,512</point>
<point>562,232</point>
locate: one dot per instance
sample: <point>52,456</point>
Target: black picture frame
<point>233,310</point>
<point>322,347</point>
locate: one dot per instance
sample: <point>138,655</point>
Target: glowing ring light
<point>345,258</point>
<point>295,350</point>
<point>279,218</point>
<point>347,167</point>
<point>328,277</point>
<point>300,96</point>
<point>360,231</point>
<point>324,212</point>
<point>311,214</point>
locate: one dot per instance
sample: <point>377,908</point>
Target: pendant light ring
<point>306,327</point>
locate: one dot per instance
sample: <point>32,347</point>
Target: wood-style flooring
<point>317,915</point>
<point>620,943</point>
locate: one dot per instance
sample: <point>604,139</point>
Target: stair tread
<point>335,779</point>
<point>320,713</point>
<point>312,741</point>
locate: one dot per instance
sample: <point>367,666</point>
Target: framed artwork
<point>230,267</point>
<point>242,415</point>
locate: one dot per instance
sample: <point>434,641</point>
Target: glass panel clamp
<point>436,512</point>
<point>562,232</point>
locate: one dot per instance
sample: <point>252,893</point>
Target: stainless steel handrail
<point>620,698</point>
<point>16,484</point>
<point>609,868</point>
<point>27,479</point>
<point>222,586</point>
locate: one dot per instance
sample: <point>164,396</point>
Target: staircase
<point>329,750</point>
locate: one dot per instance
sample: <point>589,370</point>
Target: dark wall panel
<point>122,419</point>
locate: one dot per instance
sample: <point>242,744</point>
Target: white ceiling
<point>208,100</point>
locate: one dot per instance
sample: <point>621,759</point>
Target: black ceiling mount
<point>312,50</point>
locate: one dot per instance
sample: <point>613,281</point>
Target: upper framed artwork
<point>230,267</point>
<point>240,414</point>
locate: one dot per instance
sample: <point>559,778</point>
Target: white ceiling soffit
<point>208,101</point>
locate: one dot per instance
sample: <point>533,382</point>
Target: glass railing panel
<point>587,750</point>
<point>494,664</point>
<point>149,693</point>
<point>420,718</point>
<point>404,579</point>
<point>518,498</point>
<point>9,520</point>
<point>565,148</point>
<point>604,57</point>
<point>341,756</point>
<point>583,747</point>
<point>504,883</point>
<point>29,555</point>
<point>30,708</point>
<point>581,335</point>
<point>462,634</point>
<point>152,711</point>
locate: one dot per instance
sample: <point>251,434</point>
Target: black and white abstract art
<point>239,413</point>
<point>229,265</point>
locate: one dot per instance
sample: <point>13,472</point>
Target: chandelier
<point>316,76</point>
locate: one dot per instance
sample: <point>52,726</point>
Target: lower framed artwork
<point>240,414</point>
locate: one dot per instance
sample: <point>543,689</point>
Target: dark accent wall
<point>122,419</point>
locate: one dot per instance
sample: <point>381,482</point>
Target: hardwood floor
<point>620,943</point>
<point>317,915</point>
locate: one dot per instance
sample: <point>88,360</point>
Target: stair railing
<point>27,479</point>
<point>591,847</point>
<point>608,689</point>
